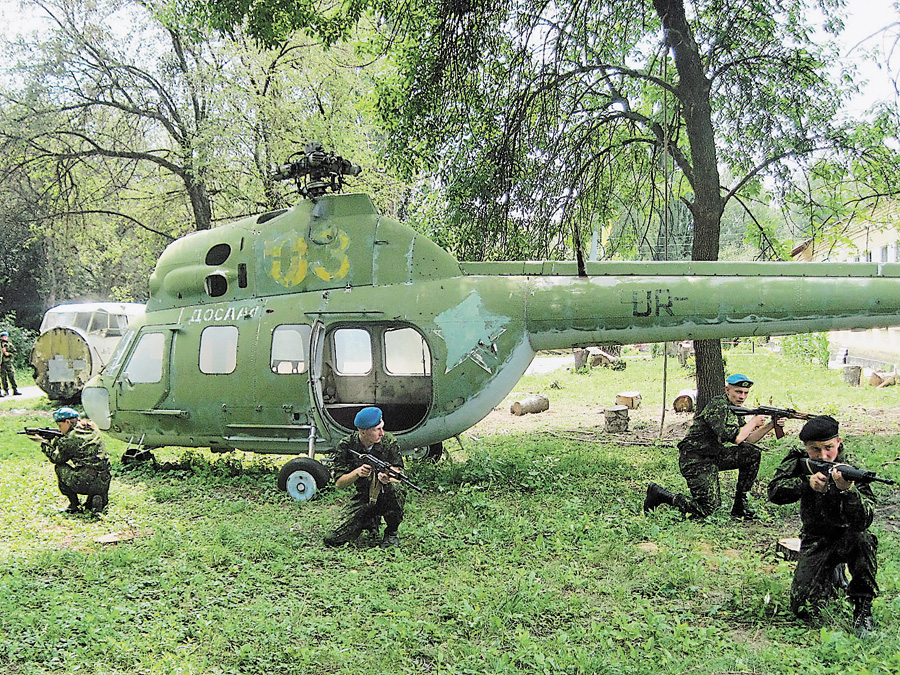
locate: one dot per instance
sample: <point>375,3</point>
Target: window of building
<point>884,254</point>
<point>406,353</point>
<point>218,350</point>
<point>145,364</point>
<point>352,351</point>
<point>289,347</point>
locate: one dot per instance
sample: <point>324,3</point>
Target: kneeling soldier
<point>836,515</point>
<point>80,461</point>
<point>377,494</point>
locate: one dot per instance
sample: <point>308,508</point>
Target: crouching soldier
<point>836,514</point>
<point>377,494</point>
<point>80,460</point>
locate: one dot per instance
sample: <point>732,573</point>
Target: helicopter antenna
<point>315,171</point>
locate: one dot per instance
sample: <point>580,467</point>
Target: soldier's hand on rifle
<point>839,480</point>
<point>758,422</point>
<point>35,437</point>
<point>363,471</point>
<point>388,478</point>
<point>818,482</point>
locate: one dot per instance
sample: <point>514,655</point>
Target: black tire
<point>427,453</point>
<point>302,477</point>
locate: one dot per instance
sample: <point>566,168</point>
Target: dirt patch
<point>588,423</point>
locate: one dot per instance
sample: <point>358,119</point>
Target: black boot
<point>863,623</point>
<point>96,503</point>
<point>741,508</point>
<point>839,577</point>
<point>73,507</point>
<point>390,539</point>
<point>656,496</point>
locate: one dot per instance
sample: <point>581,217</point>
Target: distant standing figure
<point>7,366</point>
<point>835,515</point>
<point>377,495</point>
<point>80,460</point>
<point>703,453</point>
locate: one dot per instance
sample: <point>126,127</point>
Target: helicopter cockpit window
<point>99,322</point>
<point>121,349</point>
<point>82,320</point>
<point>406,353</point>
<point>289,346</point>
<point>145,364</point>
<point>352,351</point>
<point>218,349</point>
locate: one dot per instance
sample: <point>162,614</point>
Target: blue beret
<point>739,380</point>
<point>819,428</point>
<point>62,414</point>
<point>3,333</point>
<point>367,418</point>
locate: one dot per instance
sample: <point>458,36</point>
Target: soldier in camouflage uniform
<point>703,453</point>
<point>835,515</point>
<point>377,495</point>
<point>79,457</point>
<point>7,366</point>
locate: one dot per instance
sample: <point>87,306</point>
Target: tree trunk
<point>693,94</point>
<point>200,203</point>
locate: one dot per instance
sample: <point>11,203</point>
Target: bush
<point>807,348</point>
<point>22,339</point>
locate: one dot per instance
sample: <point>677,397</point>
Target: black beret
<point>819,428</point>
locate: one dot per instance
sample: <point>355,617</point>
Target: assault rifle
<point>44,432</point>
<point>381,466</point>
<point>850,474</point>
<point>774,413</point>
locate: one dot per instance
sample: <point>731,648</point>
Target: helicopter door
<point>386,365</point>
<point>281,386</point>
<point>144,379</point>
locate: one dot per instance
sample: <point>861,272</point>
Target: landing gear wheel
<point>302,477</point>
<point>137,455</point>
<point>428,453</point>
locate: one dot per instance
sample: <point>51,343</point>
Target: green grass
<point>527,554</point>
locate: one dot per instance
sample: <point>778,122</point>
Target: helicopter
<point>270,333</point>
<point>76,340</point>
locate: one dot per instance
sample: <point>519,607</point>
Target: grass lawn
<point>528,553</point>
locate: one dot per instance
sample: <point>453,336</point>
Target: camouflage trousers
<point>8,377</point>
<point>84,481</point>
<point>358,515</point>
<point>818,557</point>
<point>701,472</point>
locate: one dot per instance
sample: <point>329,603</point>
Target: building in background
<point>872,240</point>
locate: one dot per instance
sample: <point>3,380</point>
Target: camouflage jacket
<point>387,450</point>
<point>826,512</point>
<point>712,427</point>
<point>81,448</point>
<point>10,354</point>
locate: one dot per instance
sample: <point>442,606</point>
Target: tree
<point>126,125</point>
<point>582,87</point>
<point>536,121</point>
<point>122,101</point>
